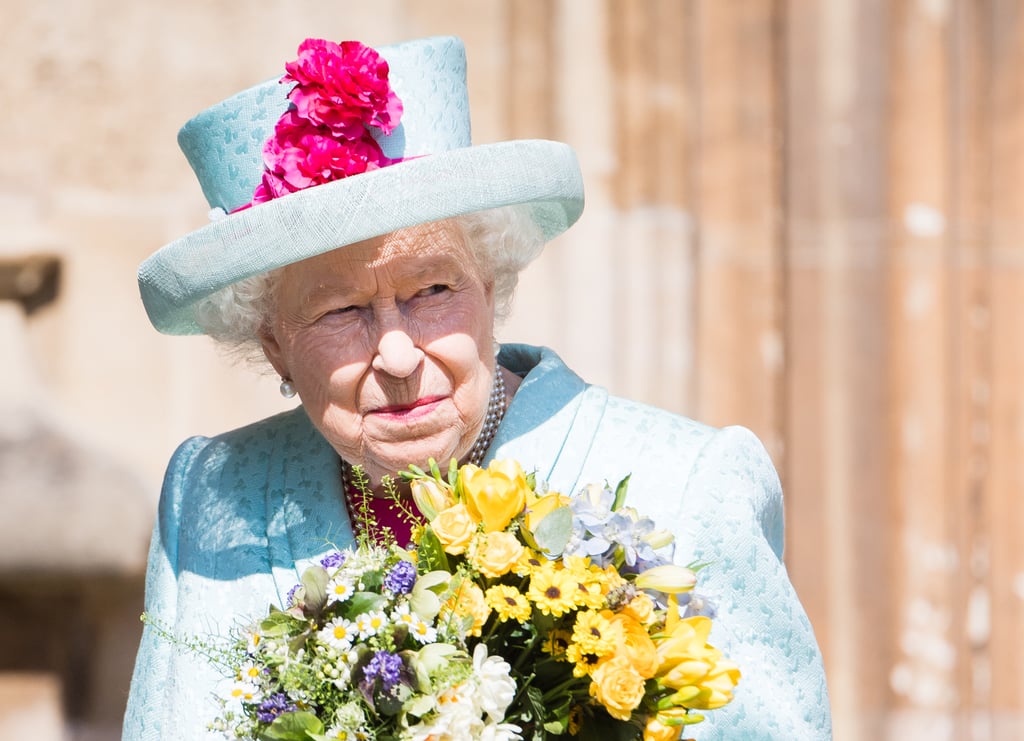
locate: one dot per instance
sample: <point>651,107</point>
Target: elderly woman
<point>365,248</point>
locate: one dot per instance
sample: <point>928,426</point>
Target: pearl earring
<point>287,389</point>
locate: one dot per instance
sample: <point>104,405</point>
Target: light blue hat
<point>442,176</point>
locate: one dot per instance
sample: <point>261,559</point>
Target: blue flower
<point>697,604</point>
<point>332,560</point>
<point>273,706</point>
<point>401,578</point>
<point>385,666</point>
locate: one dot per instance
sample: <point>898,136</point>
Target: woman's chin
<point>394,457</point>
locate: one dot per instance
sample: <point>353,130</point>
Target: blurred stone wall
<point>804,218</point>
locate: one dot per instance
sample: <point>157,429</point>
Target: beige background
<point>803,217</point>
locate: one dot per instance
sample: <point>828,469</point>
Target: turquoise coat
<point>241,515</point>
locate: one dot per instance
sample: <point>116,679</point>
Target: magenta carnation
<point>340,91</point>
<point>340,85</point>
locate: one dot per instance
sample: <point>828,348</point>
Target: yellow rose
<point>495,495</point>
<point>636,645</point>
<point>640,608</point>
<point>696,670</point>
<point>455,528</point>
<point>618,687</point>
<point>497,554</point>
<point>468,601</point>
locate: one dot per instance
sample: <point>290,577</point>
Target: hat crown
<point>224,144</point>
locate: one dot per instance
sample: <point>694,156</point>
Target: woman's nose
<point>397,355</point>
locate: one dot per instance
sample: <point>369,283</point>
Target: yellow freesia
<point>701,678</point>
<point>669,579</point>
<point>656,730</point>
<point>667,725</point>
<point>430,497</point>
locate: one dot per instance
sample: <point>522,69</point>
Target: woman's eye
<point>342,310</point>
<point>432,290</point>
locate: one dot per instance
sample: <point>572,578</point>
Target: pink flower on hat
<point>341,86</point>
<point>340,91</point>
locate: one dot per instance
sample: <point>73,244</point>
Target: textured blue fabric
<point>243,513</point>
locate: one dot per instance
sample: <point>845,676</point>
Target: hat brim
<point>541,174</point>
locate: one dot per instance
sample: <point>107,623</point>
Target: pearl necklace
<point>496,406</point>
<point>495,413</point>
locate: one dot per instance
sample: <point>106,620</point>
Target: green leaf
<point>278,624</point>
<point>528,539</point>
<point>535,698</point>
<point>553,532</point>
<point>555,727</point>
<point>431,553</point>
<point>362,602</point>
<point>299,725</point>
<point>620,493</point>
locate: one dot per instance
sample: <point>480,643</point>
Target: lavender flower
<point>273,706</point>
<point>401,578</point>
<point>385,666</point>
<point>332,560</point>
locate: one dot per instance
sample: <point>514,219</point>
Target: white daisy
<point>253,639</point>
<point>242,691</point>
<point>422,631</point>
<point>248,672</point>
<point>371,623</point>
<point>339,633</point>
<point>339,589</point>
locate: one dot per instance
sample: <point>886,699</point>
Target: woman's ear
<point>273,352</point>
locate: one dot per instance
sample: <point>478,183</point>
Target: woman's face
<point>389,343</point>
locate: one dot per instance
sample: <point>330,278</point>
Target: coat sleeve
<point>153,664</point>
<point>731,516</point>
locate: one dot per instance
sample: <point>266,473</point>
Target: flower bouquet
<point>519,613</point>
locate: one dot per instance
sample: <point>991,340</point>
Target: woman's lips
<point>418,408</point>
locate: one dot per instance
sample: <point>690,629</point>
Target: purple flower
<point>401,578</point>
<point>332,560</point>
<point>697,604</point>
<point>385,666</point>
<point>273,706</point>
<point>290,600</point>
